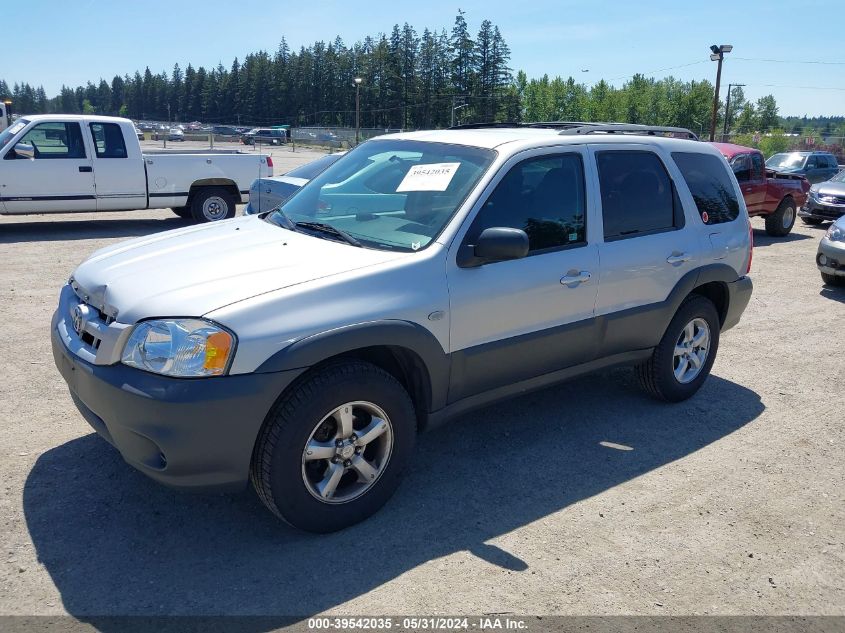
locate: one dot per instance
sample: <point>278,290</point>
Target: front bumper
<point>739,294</point>
<point>833,256</point>
<point>819,211</point>
<point>186,433</point>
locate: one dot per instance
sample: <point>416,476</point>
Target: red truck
<point>775,196</point>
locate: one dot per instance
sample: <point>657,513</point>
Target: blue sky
<point>55,42</point>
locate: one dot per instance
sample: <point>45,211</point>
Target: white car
<point>452,269</point>
<point>59,163</point>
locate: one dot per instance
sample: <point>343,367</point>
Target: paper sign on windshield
<point>431,177</point>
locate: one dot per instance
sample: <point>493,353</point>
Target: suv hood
<point>192,271</point>
<point>830,188</point>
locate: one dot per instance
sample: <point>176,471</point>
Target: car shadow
<point>762,239</point>
<point>833,293</point>
<point>115,543</point>
<point>84,229</point>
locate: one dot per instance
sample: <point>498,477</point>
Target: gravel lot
<point>729,503</point>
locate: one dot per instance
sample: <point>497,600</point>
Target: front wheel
<point>211,204</point>
<point>682,360</point>
<point>833,280</point>
<point>334,448</point>
<point>779,223</point>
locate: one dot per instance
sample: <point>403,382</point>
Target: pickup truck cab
<point>422,275</point>
<point>773,195</point>
<point>65,163</point>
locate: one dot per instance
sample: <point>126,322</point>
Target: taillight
<point>750,247</point>
<point>270,162</point>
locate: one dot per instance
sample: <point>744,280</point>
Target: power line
<point>797,87</point>
<point>788,61</point>
<point>659,70</point>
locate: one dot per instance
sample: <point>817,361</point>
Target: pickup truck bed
<point>67,163</point>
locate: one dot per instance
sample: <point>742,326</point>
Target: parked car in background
<point>264,136</point>
<point>773,195</point>
<point>815,166</point>
<point>826,201</point>
<point>830,257</point>
<point>139,133</point>
<point>50,163</point>
<point>268,193</point>
<point>224,130</point>
<point>175,134</point>
<point>303,351</point>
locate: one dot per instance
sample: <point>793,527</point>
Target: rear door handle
<point>574,278</point>
<point>86,168</point>
<point>676,259</point>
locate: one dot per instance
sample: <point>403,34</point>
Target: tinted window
<point>108,140</point>
<point>757,168</point>
<point>54,140</point>
<point>741,166</point>
<point>544,197</point>
<point>710,186</point>
<point>636,194</point>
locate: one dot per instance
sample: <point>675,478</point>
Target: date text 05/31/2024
<point>481,623</point>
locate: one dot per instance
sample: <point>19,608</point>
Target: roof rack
<point>630,128</point>
<point>585,127</point>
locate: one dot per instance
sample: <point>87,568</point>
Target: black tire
<point>657,375</point>
<point>182,212</point>
<point>832,280</point>
<point>780,223</point>
<point>277,467</point>
<point>221,199</point>
<point>812,221</point>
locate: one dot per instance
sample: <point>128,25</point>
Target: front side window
<point>54,140</point>
<point>543,196</point>
<point>390,194</point>
<point>757,167</point>
<point>710,186</point>
<point>637,196</point>
<point>108,140</point>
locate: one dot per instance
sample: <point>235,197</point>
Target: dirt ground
<point>586,498</point>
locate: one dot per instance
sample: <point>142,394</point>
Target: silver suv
<point>422,275</point>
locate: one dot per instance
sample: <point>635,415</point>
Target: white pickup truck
<point>59,163</point>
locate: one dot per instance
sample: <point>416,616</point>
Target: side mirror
<point>495,244</point>
<point>22,150</point>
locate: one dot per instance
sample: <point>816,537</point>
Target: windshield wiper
<point>328,229</point>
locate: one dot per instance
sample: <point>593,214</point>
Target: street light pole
<point>728,110</point>
<point>358,81</point>
<point>718,55</point>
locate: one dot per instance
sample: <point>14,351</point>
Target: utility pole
<point>728,111</point>
<point>719,56</point>
<point>358,81</point>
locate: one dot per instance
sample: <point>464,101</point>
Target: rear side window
<point>637,196</point>
<point>710,186</point>
<point>757,169</point>
<point>108,140</point>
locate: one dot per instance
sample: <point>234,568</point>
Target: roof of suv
<point>524,138</point>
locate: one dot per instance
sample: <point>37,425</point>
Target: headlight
<point>835,233</point>
<point>179,347</point>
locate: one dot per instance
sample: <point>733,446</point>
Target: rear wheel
<point>682,360</point>
<point>182,212</point>
<point>779,223</point>
<point>812,221</point>
<point>334,448</point>
<point>211,204</point>
<point>833,280</point>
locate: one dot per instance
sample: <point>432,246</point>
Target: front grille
<point>832,199</point>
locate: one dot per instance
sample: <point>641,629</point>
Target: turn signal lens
<point>217,348</point>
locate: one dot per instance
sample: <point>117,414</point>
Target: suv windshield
<point>786,161</point>
<point>391,194</point>
<point>7,134</point>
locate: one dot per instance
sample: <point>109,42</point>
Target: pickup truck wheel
<point>779,223</point>
<point>211,204</point>
<point>812,221</point>
<point>333,449</point>
<point>682,360</point>
<point>182,212</point>
<point>833,280</point>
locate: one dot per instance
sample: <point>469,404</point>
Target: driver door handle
<point>677,258</point>
<point>574,278</point>
<point>86,168</point>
